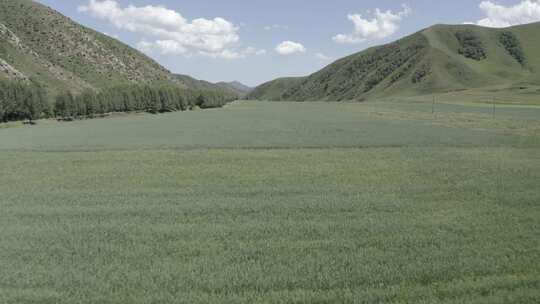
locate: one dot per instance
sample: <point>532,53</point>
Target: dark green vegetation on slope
<point>333,203</point>
<point>274,90</point>
<point>41,48</point>
<point>471,45</point>
<point>439,59</point>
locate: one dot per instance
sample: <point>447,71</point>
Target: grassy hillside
<point>39,43</point>
<point>274,90</point>
<point>440,59</point>
<point>42,44</point>
<point>51,66</point>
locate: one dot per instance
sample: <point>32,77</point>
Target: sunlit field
<point>263,202</point>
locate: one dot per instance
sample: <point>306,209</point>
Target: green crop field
<point>263,202</point>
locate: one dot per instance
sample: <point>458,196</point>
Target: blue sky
<point>220,40</point>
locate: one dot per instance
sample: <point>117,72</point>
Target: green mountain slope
<point>38,43</point>
<point>42,44</point>
<point>275,90</point>
<point>440,59</point>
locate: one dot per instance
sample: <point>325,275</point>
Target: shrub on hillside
<point>421,73</point>
<point>471,45</point>
<point>511,43</point>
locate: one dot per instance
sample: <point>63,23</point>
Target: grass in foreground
<point>414,223</point>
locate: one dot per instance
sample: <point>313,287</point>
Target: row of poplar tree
<point>29,101</point>
<point>21,100</point>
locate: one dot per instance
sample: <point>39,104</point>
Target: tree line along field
<point>262,202</point>
<point>29,100</point>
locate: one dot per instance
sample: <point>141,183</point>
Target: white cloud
<point>243,53</point>
<point>323,57</point>
<point>503,16</point>
<point>166,47</point>
<point>168,32</point>
<point>289,48</point>
<point>382,25</point>
<point>276,27</point>
<point>145,46</point>
<point>253,51</point>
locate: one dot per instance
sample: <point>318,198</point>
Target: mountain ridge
<point>40,44</point>
<point>236,86</point>
<point>45,45</point>
<point>437,59</point>
<point>233,87</point>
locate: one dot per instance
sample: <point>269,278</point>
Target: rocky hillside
<point>38,43</point>
<point>439,59</point>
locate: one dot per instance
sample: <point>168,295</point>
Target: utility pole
<point>493,107</point>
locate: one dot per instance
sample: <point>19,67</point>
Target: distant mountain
<point>236,86</point>
<point>194,83</point>
<point>438,59</point>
